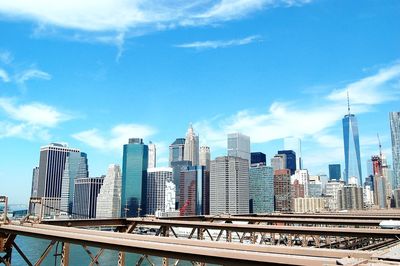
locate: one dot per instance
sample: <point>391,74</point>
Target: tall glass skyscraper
<point>176,151</point>
<point>239,146</point>
<point>334,172</point>
<point>395,132</point>
<point>351,149</point>
<point>134,178</point>
<point>261,179</point>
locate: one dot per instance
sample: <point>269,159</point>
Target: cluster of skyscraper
<point>193,184</point>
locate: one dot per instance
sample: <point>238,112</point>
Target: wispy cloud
<point>32,73</point>
<point>115,138</point>
<point>4,75</point>
<point>6,57</point>
<point>220,43</point>
<point>32,120</point>
<point>313,123</point>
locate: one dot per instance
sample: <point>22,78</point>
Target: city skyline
<point>262,70</point>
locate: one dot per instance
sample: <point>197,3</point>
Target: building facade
<point>85,197</point>
<point>351,149</point>
<point>332,190</point>
<point>205,157</point>
<point>335,172</point>
<point>191,151</point>
<point>134,178</point>
<point>312,205</point>
<point>290,160</point>
<point>282,190</point>
<point>294,144</point>
<point>394,118</point>
<point>152,161</point>
<point>229,185</point>
<point>239,146</point>
<point>176,151</point>
<point>350,197</point>
<point>261,179</point>
<point>258,158</point>
<point>109,198</point>
<point>159,181</point>
<point>278,162</point>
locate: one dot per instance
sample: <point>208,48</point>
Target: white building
<point>304,179</point>
<point>239,146</point>
<point>332,188</point>
<point>191,151</point>
<point>278,162</point>
<point>109,198</point>
<point>205,157</point>
<point>152,155</point>
<point>368,196</point>
<point>160,190</point>
<point>309,205</point>
<point>229,185</point>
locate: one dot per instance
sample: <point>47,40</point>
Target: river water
<point>33,248</point>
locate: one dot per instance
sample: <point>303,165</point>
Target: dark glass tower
<point>351,148</point>
<point>290,160</point>
<point>334,172</point>
<point>134,178</point>
<point>258,158</point>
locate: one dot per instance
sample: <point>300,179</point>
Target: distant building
<point>350,197</point>
<point>109,198</point>
<point>313,205</point>
<point>334,172</point>
<point>282,189</point>
<point>290,160</point>
<point>258,158</point>
<point>152,155</point>
<point>176,151</point>
<point>177,168</point>
<point>239,146</point>
<point>205,157</point>
<point>134,178</point>
<point>85,197</point>
<point>229,185</point>
<point>191,151</point>
<point>394,118</point>
<point>261,188</point>
<point>297,191</point>
<point>351,148</point>
<point>332,189</point>
<point>35,182</point>
<point>380,192</point>
<point>194,191</point>
<point>278,162</point>
<point>159,182</point>
<point>315,190</point>
<point>294,144</point>
<point>396,195</point>
<point>304,179</point>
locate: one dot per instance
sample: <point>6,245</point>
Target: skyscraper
<point>258,158</point>
<point>35,180</point>
<point>52,165</point>
<point>191,151</point>
<point>278,162</point>
<point>282,190</point>
<point>229,185</point>
<point>205,157</point>
<point>152,155</point>
<point>239,146</point>
<point>85,197</point>
<point>134,178</point>
<point>395,133</point>
<point>294,144</point>
<point>176,151</point>
<point>351,148</point>
<point>303,178</point>
<point>334,172</point>
<point>261,180</point>
<point>290,160</point>
<point>350,197</point>
<point>157,186</point>
<point>109,198</point>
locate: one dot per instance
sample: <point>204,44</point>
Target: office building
<point>258,158</point>
<point>159,183</point>
<point>152,161</point>
<point>294,144</point>
<point>134,178</point>
<point>205,157</point>
<point>290,160</point>
<point>282,190</point>
<point>85,197</point>
<point>176,151</point>
<point>177,168</point>
<point>35,182</point>
<point>194,191</point>
<point>278,162</point>
<point>350,197</point>
<point>332,189</point>
<point>396,197</point>
<point>303,177</point>
<point>394,118</point>
<point>229,185</point>
<point>239,146</point>
<point>191,151</point>
<point>109,198</point>
<point>351,148</point>
<point>261,179</point>
<point>334,172</point>
<point>313,205</point>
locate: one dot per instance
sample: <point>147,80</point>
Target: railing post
<point>121,258</point>
<point>65,254</point>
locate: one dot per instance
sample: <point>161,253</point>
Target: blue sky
<point>94,73</point>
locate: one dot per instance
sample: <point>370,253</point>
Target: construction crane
<point>380,146</point>
<point>183,209</point>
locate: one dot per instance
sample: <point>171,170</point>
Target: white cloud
<point>35,114</point>
<point>32,73</point>
<point>4,75</point>
<point>115,138</point>
<point>125,16</point>
<point>6,57</point>
<point>28,121</point>
<point>220,43</point>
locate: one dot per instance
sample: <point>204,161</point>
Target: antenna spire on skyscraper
<point>348,102</point>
